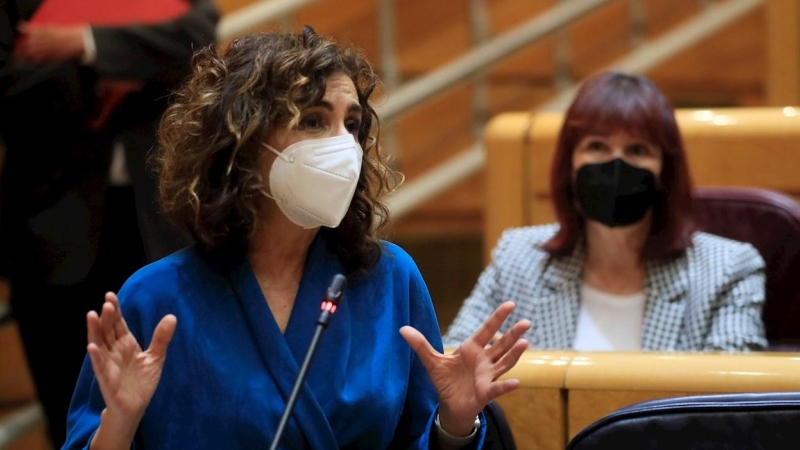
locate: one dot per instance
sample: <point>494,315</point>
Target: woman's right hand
<point>127,376</point>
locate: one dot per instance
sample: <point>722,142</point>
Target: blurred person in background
<point>624,268</point>
<point>8,25</point>
<point>74,98</point>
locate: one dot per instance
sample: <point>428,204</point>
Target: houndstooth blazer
<point>710,298</point>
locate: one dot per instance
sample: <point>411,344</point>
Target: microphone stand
<point>329,305</point>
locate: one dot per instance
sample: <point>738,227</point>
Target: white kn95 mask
<point>313,181</point>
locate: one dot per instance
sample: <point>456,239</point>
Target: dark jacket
<point>55,175</point>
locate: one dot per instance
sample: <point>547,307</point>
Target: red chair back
<point>771,222</point>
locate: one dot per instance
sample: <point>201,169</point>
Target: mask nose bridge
<point>617,170</point>
<point>618,152</point>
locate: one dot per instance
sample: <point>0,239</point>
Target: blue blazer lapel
<point>279,360</point>
<point>666,287</point>
<point>557,307</point>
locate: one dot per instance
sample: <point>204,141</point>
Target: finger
<point>501,387</point>
<point>162,336</point>
<point>119,325</point>
<point>492,324</point>
<point>495,339</point>
<point>93,334</point>
<point>416,340</point>
<point>96,358</point>
<point>510,358</point>
<point>107,324</point>
<point>508,339</point>
<point>99,368</point>
<point>112,298</point>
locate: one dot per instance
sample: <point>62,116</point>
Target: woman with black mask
<point>624,268</point>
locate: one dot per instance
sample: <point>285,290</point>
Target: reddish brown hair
<point>607,103</point>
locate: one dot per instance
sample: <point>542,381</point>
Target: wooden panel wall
<point>431,33</point>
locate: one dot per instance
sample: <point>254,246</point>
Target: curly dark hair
<point>210,140</point>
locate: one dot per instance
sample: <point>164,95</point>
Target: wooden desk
<point>600,383</point>
<point>537,410</point>
<point>562,392</point>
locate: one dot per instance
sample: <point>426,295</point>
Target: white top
<point>89,47</point>
<point>609,322</point>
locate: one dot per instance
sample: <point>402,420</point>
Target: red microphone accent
<point>328,306</point>
<point>329,303</point>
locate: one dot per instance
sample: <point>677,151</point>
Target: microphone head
<point>336,288</point>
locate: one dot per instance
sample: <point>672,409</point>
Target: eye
<point>639,150</point>
<point>310,121</point>
<point>353,125</point>
<point>595,145</point>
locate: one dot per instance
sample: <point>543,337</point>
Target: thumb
<point>162,336</point>
<point>416,340</point>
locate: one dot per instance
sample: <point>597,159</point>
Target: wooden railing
<point>431,34</point>
<point>563,392</point>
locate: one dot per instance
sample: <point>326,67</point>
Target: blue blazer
<point>229,370</point>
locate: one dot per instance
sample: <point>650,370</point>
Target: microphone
<point>329,305</point>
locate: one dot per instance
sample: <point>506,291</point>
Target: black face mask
<point>615,193</point>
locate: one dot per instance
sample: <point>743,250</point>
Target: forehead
<point>619,134</point>
<point>638,119</point>
<point>340,86</point>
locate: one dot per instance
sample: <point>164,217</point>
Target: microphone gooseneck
<point>330,303</point>
<point>332,297</point>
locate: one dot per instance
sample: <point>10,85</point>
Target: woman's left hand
<point>467,379</point>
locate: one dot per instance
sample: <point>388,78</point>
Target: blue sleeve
<point>83,416</point>
<point>416,421</point>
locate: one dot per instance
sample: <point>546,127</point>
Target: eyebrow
<point>354,107</point>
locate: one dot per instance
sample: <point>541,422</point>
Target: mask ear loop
<point>288,159</point>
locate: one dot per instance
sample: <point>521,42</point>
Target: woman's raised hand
<point>127,376</point>
<point>467,379</point>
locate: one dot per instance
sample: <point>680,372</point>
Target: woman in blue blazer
<point>269,161</point>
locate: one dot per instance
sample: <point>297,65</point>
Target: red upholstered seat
<point>771,222</point>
